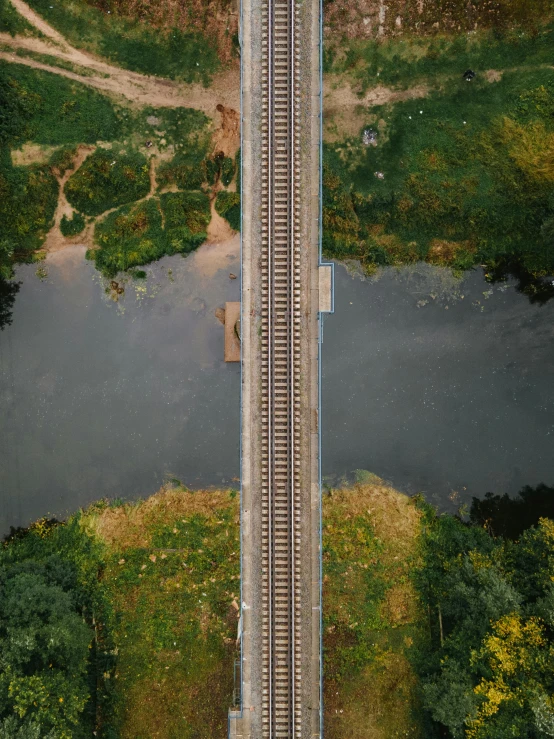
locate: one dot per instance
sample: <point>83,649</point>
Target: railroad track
<point>280,348</point>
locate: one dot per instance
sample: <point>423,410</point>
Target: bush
<point>133,235</point>
<point>107,180</point>
<point>186,170</point>
<point>227,171</point>
<point>227,205</point>
<point>129,237</point>
<point>485,672</point>
<point>62,159</point>
<point>72,226</point>
<point>187,215</point>
<point>28,197</point>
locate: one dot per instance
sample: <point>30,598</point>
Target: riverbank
<point>419,613</point>
<point>167,600</point>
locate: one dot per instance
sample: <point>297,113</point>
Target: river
<point>439,385</point>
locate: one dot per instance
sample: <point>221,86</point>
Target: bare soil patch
<point>55,240</point>
<point>345,112</point>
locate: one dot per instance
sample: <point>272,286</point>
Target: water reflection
<point>105,393</point>
<point>438,385</point>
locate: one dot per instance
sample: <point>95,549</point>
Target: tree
<point>44,649</point>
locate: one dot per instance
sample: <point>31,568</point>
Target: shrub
<point>72,226</point>
<point>62,159</point>
<point>228,206</point>
<point>227,171</point>
<point>129,237</point>
<point>28,197</point>
<point>48,589</point>
<point>106,180</point>
<point>186,170</point>
<point>187,215</point>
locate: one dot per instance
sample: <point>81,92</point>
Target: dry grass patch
<point>371,612</point>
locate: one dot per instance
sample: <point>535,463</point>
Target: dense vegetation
<point>487,671</point>
<point>132,41</point>
<point>10,20</point>
<point>134,235</point>
<point>460,177</point>
<point>107,179</point>
<point>117,621</point>
<point>228,206</point>
<point>49,657</point>
<point>72,226</point>
<point>40,108</point>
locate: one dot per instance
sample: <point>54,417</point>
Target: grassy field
<point>158,39</point>
<point>371,613</point>
<point>458,173</point>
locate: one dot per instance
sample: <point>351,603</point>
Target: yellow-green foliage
<point>461,178</point>
<point>487,670</point>
<point>228,206</point>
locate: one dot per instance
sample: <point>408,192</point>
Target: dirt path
<point>345,112</point>
<point>55,240</point>
<point>136,87</point>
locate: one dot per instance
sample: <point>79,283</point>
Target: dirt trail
<point>340,104</point>
<point>55,240</point>
<point>136,87</point>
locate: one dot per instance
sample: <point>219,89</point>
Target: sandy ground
<point>211,257</point>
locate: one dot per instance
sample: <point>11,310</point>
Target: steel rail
<point>281,714</point>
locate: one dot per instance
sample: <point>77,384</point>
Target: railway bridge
<point>285,290</point>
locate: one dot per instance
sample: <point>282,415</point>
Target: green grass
<point>403,62</point>
<point>12,22</point>
<point>53,61</point>
<point>108,179</point>
<point>228,206</point>
<point>133,44</point>
<point>58,111</point>
<point>468,179</point>
<point>371,617</point>
<point>172,616</point>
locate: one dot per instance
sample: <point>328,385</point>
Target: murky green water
<point>438,385</point>
<point>107,399</point>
